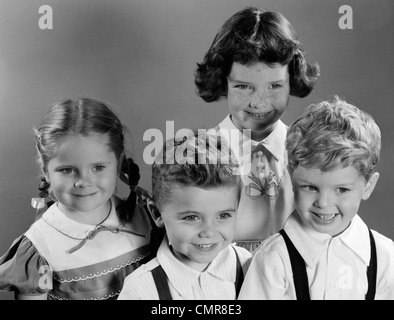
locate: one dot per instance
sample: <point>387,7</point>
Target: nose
<point>83,181</point>
<point>208,230</point>
<point>259,101</point>
<point>324,199</point>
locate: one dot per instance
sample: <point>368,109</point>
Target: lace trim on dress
<point>105,297</point>
<point>100,273</point>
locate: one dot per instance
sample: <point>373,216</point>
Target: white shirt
<point>267,198</point>
<point>215,283</point>
<point>336,266</point>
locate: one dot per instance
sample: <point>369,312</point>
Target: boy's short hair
<point>249,36</point>
<point>334,134</point>
<point>200,159</point>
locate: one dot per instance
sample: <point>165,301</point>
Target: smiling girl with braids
<point>88,240</point>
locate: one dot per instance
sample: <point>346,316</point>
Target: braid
<point>43,187</point>
<point>130,174</point>
<point>44,201</point>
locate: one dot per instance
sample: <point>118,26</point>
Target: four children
<point>323,166</point>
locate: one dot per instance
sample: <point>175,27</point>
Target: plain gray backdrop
<point>140,56</point>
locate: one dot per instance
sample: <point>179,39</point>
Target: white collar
<point>59,221</point>
<point>311,244</point>
<point>273,142</point>
<point>183,278</point>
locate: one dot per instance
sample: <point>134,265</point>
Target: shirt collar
<point>183,278</point>
<point>356,237</point>
<point>59,221</point>
<point>273,142</point>
<point>311,244</point>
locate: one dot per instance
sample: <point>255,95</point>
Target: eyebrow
<point>98,163</point>
<point>66,164</point>
<point>301,181</point>
<point>198,212</point>
<point>232,79</point>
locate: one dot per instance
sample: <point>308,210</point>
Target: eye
<point>225,215</point>
<point>98,168</point>
<point>67,170</point>
<point>309,188</point>
<point>243,87</point>
<point>343,190</point>
<point>191,218</point>
<point>276,86</point>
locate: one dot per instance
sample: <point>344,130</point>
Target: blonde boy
<point>325,251</point>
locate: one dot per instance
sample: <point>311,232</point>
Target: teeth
<point>258,116</point>
<point>205,245</point>
<point>326,216</point>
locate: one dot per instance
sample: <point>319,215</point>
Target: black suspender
<point>239,276</point>
<point>161,282</point>
<point>301,278</point>
<point>160,278</point>
<point>299,269</point>
<point>372,270</point>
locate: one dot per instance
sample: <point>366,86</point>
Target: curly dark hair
<point>249,36</point>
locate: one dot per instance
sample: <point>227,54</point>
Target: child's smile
<point>324,218</point>
<point>328,201</point>
<point>200,223</point>
<point>257,96</point>
<point>258,116</point>
<point>83,177</point>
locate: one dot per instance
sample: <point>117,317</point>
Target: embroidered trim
<point>95,275</point>
<point>105,297</point>
<point>264,185</point>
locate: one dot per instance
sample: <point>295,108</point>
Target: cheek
<point>281,100</point>
<point>229,232</point>
<point>178,234</point>
<point>237,100</point>
<point>350,206</point>
<point>302,200</point>
<point>59,183</point>
<point>298,196</point>
<point>108,180</point>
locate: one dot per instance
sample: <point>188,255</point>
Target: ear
<point>155,213</point>
<point>370,186</point>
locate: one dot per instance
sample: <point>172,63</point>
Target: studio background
<point>140,56</point>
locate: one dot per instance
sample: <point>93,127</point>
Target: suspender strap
<point>299,269</point>
<point>239,277</point>
<point>301,278</point>
<point>160,278</point>
<point>372,270</point>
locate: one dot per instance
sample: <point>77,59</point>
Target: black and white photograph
<point>196,150</point>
